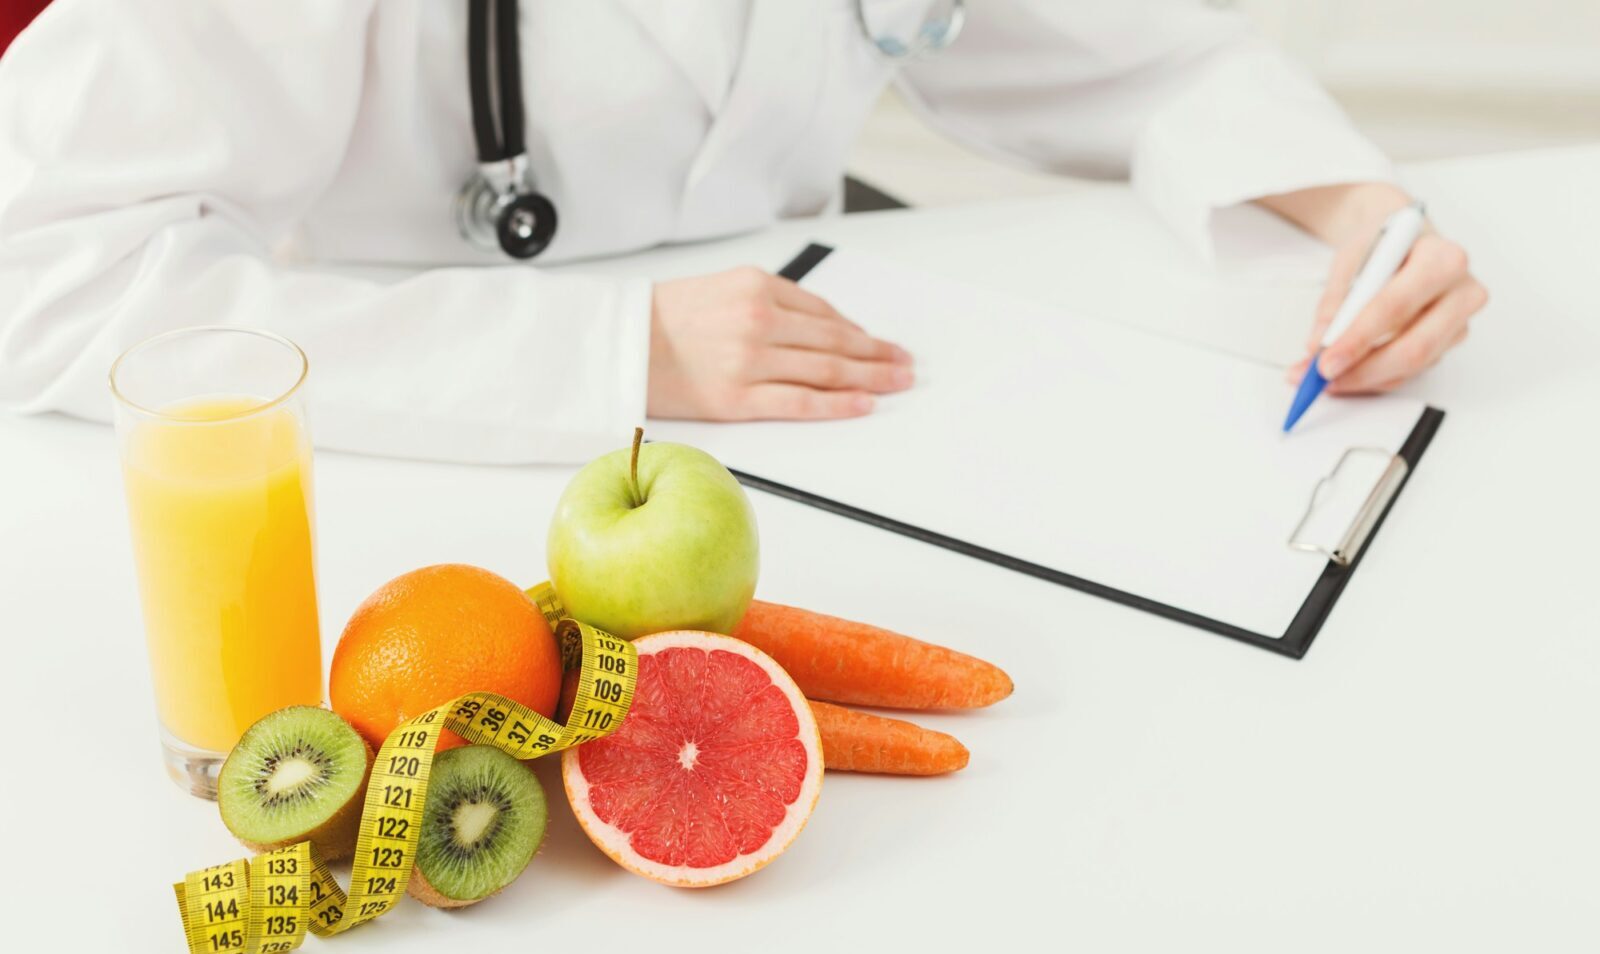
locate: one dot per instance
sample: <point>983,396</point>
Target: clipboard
<point>1339,511</point>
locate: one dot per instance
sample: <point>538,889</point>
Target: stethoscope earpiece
<point>933,37</point>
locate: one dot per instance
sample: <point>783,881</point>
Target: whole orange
<point>432,634</point>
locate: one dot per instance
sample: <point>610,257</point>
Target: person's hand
<point>745,345</point>
<point>1408,326</point>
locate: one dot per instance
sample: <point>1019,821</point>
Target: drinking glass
<point>216,462</point>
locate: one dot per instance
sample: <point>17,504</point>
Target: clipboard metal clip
<point>1324,528</point>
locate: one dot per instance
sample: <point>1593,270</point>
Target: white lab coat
<point>166,163</point>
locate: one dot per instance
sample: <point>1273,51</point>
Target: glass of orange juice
<point>216,462</point>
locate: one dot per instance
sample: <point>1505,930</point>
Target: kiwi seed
<point>483,822</point>
<point>299,774</point>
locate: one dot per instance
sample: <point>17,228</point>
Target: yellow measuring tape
<point>266,904</point>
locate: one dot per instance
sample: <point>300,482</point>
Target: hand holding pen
<point>1408,325</point>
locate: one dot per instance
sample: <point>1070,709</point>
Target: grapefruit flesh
<point>712,774</point>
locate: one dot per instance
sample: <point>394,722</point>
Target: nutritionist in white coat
<point>179,162</point>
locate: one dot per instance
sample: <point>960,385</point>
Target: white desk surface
<point>1425,779</point>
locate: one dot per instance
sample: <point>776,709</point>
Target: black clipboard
<point>1294,642</point>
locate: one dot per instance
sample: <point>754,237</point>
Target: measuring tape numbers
<point>266,904</point>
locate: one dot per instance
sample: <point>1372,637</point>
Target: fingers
<point>746,345</point>
<point>1340,275</point>
<point>792,329</point>
<point>1442,326</point>
<point>781,312</point>
<point>854,341</point>
<point>1297,370</point>
<point>830,371</point>
<point>1433,267</point>
<point>792,296</point>
<point>795,402</point>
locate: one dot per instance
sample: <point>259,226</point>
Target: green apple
<point>654,538</point>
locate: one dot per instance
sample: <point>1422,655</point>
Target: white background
<point>1424,79</point>
<point>1424,780</point>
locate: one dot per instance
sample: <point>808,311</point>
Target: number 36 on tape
<point>266,904</point>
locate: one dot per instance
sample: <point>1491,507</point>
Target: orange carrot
<point>841,661</point>
<point>858,742</point>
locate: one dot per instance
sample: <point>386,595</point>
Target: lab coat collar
<point>699,39</point>
<point>774,96</point>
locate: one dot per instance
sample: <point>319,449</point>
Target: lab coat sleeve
<point>1199,111</point>
<point>153,155</point>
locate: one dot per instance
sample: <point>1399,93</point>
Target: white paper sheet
<point>1132,460</point>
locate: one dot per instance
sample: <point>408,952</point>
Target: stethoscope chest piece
<point>498,209</point>
<point>526,225</point>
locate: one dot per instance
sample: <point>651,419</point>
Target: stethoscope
<point>500,207</point>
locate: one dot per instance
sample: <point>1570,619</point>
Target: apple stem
<point>633,467</point>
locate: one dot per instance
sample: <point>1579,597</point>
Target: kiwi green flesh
<point>290,774</point>
<point>483,822</point>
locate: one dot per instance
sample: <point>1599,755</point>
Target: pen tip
<point>1310,386</point>
<point>1295,413</point>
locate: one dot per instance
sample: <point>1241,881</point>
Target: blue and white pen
<point>1390,248</point>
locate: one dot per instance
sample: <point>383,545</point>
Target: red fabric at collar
<point>16,14</point>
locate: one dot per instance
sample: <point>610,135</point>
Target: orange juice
<point>219,495</point>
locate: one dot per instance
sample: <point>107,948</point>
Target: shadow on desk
<point>860,197</point>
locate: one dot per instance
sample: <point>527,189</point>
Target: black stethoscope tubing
<point>499,205</point>
<point>506,141</point>
<point>501,196</point>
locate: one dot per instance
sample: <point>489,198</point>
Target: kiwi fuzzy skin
<point>419,887</point>
<point>334,839</point>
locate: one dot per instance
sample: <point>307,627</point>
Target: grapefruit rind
<point>614,842</point>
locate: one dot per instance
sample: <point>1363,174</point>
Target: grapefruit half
<point>713,773</point>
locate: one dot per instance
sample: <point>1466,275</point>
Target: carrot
<point>841,661</point>
<point>859,742</point>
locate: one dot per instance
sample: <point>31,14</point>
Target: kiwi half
<point>299,774</point>
<point>482,824</point>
